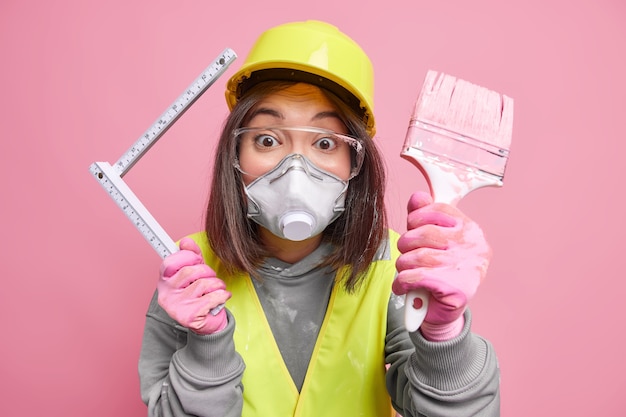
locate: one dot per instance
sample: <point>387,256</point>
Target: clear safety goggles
<point>324,148</point>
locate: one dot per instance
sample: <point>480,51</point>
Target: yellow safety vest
<point>346,374</point>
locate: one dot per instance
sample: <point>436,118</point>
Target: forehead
<point>299,104</point>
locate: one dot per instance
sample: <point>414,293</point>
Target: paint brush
<point>459,137</point>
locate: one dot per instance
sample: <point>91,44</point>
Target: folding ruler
<point>110,177</point>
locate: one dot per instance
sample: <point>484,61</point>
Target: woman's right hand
<point>189,289</point>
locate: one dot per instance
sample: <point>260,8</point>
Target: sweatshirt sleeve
<point>458,377</point>
<point>185,374</point>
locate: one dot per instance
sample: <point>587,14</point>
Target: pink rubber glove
<point>188,290</point>
<point>445,253</point>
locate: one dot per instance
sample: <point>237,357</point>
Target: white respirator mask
<point>296,200</point>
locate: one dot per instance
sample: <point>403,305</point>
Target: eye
<point>327,143</point>
<point>266,140</point>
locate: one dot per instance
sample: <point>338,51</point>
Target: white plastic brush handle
<point>414,317</point>
<point>447,185</point>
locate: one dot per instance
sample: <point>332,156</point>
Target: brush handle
<point>414,317</point>
<point>448,184</point>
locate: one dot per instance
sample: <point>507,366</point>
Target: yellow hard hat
<point>315,52</point>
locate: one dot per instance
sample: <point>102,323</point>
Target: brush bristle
<point>465,108</point>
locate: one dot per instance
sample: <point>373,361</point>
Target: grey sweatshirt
<point>185,374</point>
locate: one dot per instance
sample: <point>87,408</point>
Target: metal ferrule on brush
<point>444,146</point>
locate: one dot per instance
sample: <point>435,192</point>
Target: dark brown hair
<point>356,235</point>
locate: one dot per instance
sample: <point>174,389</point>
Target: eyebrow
<point>278,115</point>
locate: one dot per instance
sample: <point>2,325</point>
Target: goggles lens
<point>325,148</point>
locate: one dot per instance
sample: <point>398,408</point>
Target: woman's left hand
<point>445,253</point>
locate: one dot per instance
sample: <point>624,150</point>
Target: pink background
<point>81,81</point>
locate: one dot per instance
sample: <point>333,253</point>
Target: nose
<point>299,143</point>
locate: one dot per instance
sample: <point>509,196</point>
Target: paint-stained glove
<point>445,253</point>
<point>189,289</point>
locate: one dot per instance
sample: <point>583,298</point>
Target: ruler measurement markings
<point>110,177</point>
<point>174,112</point>
<point>134,209</point>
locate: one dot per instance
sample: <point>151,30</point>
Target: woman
<point>296,247</point>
